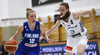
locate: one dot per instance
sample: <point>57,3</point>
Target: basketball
<point>11,46</point>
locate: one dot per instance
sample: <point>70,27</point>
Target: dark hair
<point>3,41</point>
<point>29,10</point>
<point>67,14</point>
<point>65,4</point>
<point>92,33</point>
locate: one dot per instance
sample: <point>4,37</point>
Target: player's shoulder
<point>41,24</point>
<point>38,22</point>
<point>25,22</point>
<point>21,27</point>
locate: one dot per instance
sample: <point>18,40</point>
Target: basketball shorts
<point>72,43</point>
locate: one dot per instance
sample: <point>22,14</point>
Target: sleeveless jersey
<point>73,26</point>
<point>30,38</point>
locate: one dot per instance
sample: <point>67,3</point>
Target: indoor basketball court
<point>49,27</point>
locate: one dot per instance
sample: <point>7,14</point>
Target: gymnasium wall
<point>5,33</point>
<point>89,25</point>
<point>4,9</point>
<point>17,8</point>
<point>0,34</point>
<point>76,5</point>
<point>0,9</point>
<point>8,32</point>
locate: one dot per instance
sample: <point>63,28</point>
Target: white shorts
<point>72,43</point>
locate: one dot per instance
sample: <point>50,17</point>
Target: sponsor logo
<point>69,48</point>
<point>30,45</point>
<point>42,1</point>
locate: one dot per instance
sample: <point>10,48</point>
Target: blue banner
<point>60,49</point>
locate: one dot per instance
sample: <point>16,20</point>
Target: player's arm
<point>42,28</point>
<point>18,32</point>
<point>82,13</point>
<point>77,14</point>
<point>53,28</point>
<point>41,38</point>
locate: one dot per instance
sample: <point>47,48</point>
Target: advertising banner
<point>42,2</point>
<point>60,49</point>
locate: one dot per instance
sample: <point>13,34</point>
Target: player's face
<point>92,36</point>
<point>32,17</point>
<point>62,10</point>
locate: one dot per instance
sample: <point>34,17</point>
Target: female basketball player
<point>77,37</point>
<point>31,31</point>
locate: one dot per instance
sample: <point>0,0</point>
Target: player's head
<point>3,42</point>
<point>31,15</point>
<point>64,10</point>
<point>91,35</point>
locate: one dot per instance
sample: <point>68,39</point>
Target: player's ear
<point>67,10</point>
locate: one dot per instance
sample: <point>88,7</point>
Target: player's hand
<point>95,28</point>
<point>51,41</point>
<point>41,38</point>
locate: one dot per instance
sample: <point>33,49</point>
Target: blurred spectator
<point>0,52</point>
<point>10,53</point>
<point>43,41</point>
<point>0,45</point>
<point>0,48</point>
<point>3,50</point>
<point>99,53</point>
<point>92,36</point>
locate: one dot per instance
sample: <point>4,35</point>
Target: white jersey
<point>73,26</point>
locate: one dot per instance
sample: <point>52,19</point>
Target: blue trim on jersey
<point>72,27</point>
<point>81,25</point>
<point>87,36</point>
<point>29,38</point>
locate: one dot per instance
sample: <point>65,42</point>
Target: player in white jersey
<point>77,37</point>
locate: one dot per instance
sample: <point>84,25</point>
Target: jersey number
<point>72,31</point>
<point>32,40</point>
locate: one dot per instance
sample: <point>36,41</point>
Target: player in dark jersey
<point>31,31</point>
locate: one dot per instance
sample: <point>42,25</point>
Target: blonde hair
<point>29,10</point>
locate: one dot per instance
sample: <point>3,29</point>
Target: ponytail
<point>28,10</point>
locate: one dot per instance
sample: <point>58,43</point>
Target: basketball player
<point>77,37</point>
<point>31,31</point>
